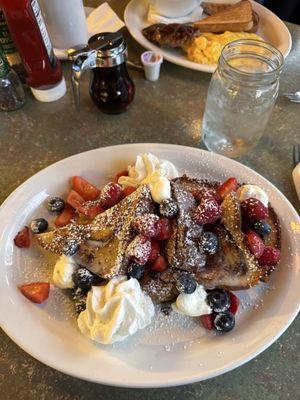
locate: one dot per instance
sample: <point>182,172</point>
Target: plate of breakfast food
<point>147,265</point>
<point>197,44</point>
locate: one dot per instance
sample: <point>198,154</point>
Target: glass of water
<point>241,96</point>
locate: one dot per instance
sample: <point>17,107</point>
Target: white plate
<point>174,353</point>
<point>271,29</point>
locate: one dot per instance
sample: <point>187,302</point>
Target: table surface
<point>167,111</point>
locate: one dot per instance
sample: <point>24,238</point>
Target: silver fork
<point>293,96</point>
<point>296,170</point>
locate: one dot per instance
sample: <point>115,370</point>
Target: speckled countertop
<point>169,111</point>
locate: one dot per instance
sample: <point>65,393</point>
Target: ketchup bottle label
<point>44,33</point>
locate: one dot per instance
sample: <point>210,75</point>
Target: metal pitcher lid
<point>114,47</point>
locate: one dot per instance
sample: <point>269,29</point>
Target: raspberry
<point>254,210</point>
<point>128,190</point>
<point>160,264</point>
<point>270,256</point>
<point>22,238</point>
<point>227,187</point>
<point>139,249</point>
<point>255,244</point>
<point>111,194</point>
<point>208,211</point>
<point>164,229</point>
<point>155,250</point>
<point>147,225</point>
<point>234,303</point>
<point>207,321</point>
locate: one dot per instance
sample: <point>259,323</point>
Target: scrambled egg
<point>206,49</point>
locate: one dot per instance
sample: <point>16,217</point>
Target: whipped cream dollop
<point>247,191</point>
<point>156,173</point>
<point>63,271</point>
<point>193,304</point>
<point>115,311</point>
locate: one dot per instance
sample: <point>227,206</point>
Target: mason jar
<point>241,96</point>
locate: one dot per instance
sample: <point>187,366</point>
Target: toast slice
<point>236,18</point>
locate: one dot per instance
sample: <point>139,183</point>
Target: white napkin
<point>103,19</point>
<point>154,17</point>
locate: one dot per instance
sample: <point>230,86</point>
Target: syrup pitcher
<point>111,87</point>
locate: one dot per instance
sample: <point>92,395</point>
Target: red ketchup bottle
<point>29,32</point>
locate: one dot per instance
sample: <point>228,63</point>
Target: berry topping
<point>37,292</point>
<point>224,321</point>
<point>262,228</point>
<point>90,210</point>
<point>168,208</point>
<point>22,239</point>
<point>234,303</point>
<point>79,298</point>
<point>38,225</point>
<point>147,225</point>
<point>186,284</point>
<point>65,216</point>
<point>86,190</point>
<point>74,199</point>
<point>155,250</point>
<point>119,174</point>
<point>253,209</point>
<point>111,194</point>
<point>227,187</point>
<point>139,249</point>
<point>128,191</point>
<point>218,300</point>
<point>83,279</point>
<point>255,243</point>
<point>164,229</point>
<point>209,243</point>
<point>56,204</point>
<point>208,211</point>
<point>70,247</point>
<point>207,320</point>
<point>270,256</point>
<point>160,264</point>
<point>136,271</point>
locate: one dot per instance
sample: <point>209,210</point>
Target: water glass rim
<point>260,44</point>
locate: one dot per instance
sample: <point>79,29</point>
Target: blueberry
<point>209,243</point>
<point>56,204</point>
<point>186,284</point>
<point>136,270</point>
<point>218,300</point>
<point>168,208</point>
<point>262,228</point>
<point>79,298</point>
<point>83,279</point>
<point>70,247</point>
<point>38,225</point>
<point>224,321</point>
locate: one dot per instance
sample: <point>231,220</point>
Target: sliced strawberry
<point>37,292</point>
<point>119,174</point>
<point>270,256</point>
<point>155,250</point>
<point>147,225</point>
<point>234,303</point>
<point>254,210</point>
<point>164,229</point>
<point>160,264</point>
<point>255,244</point>
<point>74,199</point>
<point>22,239</point>
<point>86,190</point>
<point>111,194</point>
<point>90,210</point>
<point>208,211</point>
<point>65,217</point>
<point>227,187</point>
<point>128,190</point>
<point>139,249</point>
<point>207,320</point>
